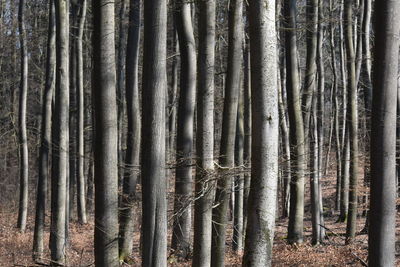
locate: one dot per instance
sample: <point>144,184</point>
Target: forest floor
<point>15,247</point>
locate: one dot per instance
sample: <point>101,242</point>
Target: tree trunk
<point>45,143</point>
<point>237,241</point>
<point>352,121</point>
<point>205,136</point>
<point>133,137</point>
<point>382,233</point>
<point>296,214</point>
<point>23,138</point>
<point>105,135</point>
<point>60,137</point>
<point>311,66</point>
<point>184,139</point>
<point>121,104</point>
<point>154,205</point>
<point>220,213</point>
<point>81,184</point>
<point>247,131</point>
<point>265,134</point>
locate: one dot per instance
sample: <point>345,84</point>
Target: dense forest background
<point>203,133</point>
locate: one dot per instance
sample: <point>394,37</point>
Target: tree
<point>204,187</point>
<point>154,205</point>
<point>45,145</point>
<point>352,122</point>
<point>23,138</point>
<point>133,137</point>
<point>60,137</point>
<point>105,135</point>
<point>184,138</point>
<point>382,218</point>
<point>265,134</point>
<point>81,120</point>
<point>296,213</point>
<point>220,213</point>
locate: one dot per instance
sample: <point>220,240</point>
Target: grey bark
<point>237,241</point>
<point>247,130</point>
<point>352,121</point>
<point>154,205</point>
<point>184,139</point>
<point>60,137</point>
<point>45,143</point>
<point>382,217</point>
<point>265,134</point>
<point>23,138</point>
<point>121,100</point>
<point>311,66</point>
<point>133,137</point>
<point>296,214</point>
<point>220,213</point>
<point>205,136</point>
<point>105,135</point>
<point>81,184</point>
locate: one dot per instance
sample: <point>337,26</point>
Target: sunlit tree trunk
<point>184,139</point>
<point>133,138</point>
<point>23,138</point>
<point>154,201</point>
<point>220,213</point>
<point>60,137</point>
<point>205,136</point>
<point>105,135</point>
<point>45,145</point>
<point>296,213</point>
<point>265,134</point>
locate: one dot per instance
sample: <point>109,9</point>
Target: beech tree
<point>105,135</point>
<point>23,138</point>
<point>204,187</point>
<point>382,217</point>
<point>265,135</point>
<point>296,213</point>
<point>224,184</point>
<point>184,138</point>
<point>45,145</point>
<point>133,137</point>
<point>60,137</point>
<point>154,80</point>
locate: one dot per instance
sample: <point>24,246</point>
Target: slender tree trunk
<point>367,53</point>
<point>336,109</point>
<point>23,138</point>
<point>382,233</point>
<point>286,168</point>
<point>296,214</point>
<point>184,141</point>
<point>172,103</point>
<point>81,184</point>
<point>265,133</point>
<point>121,72</point>
<point>237,242</point>
<point>311,66</point>
<point>133,137</point>
<point>45,143</point>
<point>352,123</point>
<point>320,114</point>
<point>105,135</point>
<point>154,205</point>
<point>60,137</point>
<point>205,136</point>
<point>247,132</point>
<point>220,213</point>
